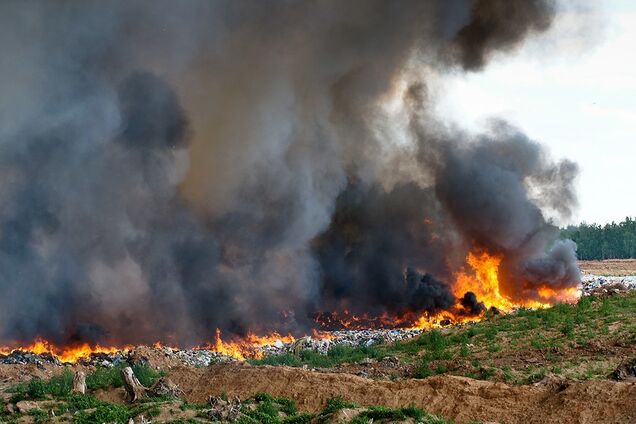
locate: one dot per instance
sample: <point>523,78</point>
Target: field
<point>609,267</point>
<point>534,366</point>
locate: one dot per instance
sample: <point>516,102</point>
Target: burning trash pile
<point>223,352</point>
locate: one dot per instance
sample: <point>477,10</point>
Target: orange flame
<point>247,347</point>
<point>482,279</point>
<point>484,282</point>
<point>64,354</point>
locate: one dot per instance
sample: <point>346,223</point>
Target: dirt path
<point>458,398</point>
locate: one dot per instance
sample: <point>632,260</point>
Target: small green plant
<point>494,348</point>
<point>464,351</point>
<point>423,370</point>
<point>568,327</point>
<point>536,376</point>
<point>490,333</point>
<point>433,341</point>
<point>78,402</point>
<point>39,416</point>
<point>104,413</point>
<point>441,369</point>
<point>103,377</point>
<point>146,375</point>
<point>335,404</point>
<point>486,373</point>
<point>37,388</point>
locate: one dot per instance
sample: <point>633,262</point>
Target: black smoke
<point>169,168</point>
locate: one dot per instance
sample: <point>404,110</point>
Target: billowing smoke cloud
<point>169,168</point>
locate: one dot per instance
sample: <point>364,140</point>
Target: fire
<point>481,278</point>
<point>247,347</point>
<point>484,282</point>
<point>65,354</point>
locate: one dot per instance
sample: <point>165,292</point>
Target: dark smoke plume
<point>169,168</point>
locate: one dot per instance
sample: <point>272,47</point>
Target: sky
<point>573,90</point>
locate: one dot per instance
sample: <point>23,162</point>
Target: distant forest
<point>611,241</point>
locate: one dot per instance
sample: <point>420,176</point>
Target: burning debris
<point>202,357</point>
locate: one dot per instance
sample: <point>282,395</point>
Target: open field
<point>550,365</point>
<point>609,267</point>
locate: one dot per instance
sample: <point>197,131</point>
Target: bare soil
<point>458,398</point>
<point>609,267</point>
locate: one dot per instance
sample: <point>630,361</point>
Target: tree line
<point>611,241</point>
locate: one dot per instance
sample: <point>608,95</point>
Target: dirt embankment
<point>457,398</point>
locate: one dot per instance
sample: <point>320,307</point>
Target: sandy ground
<point>611,267</point>
<point>458,398</point>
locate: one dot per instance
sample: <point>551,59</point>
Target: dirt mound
<point>458,398</point>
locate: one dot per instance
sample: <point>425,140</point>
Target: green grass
<point>39,416</point>
<point>104,413</point>
<point>37,388</point>
<point>335,356</point>
<point>267,409</point>
<point>61,385</point>
<point>104,377</point>
<point>383,414</point>
<point>547,336</point>
<point>335,404</point>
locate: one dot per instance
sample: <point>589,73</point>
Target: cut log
<point>134,389</point>
<point>79,382</point>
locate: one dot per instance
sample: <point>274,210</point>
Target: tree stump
<point>165,387</point>
<point>79,383</point>
<point>134,389</point>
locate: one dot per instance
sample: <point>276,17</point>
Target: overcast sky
<point>573,90</point>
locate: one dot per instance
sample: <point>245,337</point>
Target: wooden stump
<point>134,389</point>
<point>165,387</point>
<point>79,383</point>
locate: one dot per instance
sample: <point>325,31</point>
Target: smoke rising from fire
<point>169,168</point>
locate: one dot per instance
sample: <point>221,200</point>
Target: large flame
<point>247,347</point>
<point>484,282</point>
<point>481,277</point>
